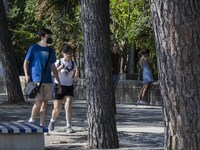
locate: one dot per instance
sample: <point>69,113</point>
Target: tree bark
<point>102,132</point>
<point>177,33</point>
<point>8,61</point>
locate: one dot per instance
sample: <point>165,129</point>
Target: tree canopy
<point>130,24</point>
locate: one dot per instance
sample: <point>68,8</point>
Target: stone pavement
<point>139,127</point>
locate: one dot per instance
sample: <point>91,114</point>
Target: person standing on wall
<point>147,76</point>
<point>34,64</point>
<point>68,72</point>
<point>115,60</point>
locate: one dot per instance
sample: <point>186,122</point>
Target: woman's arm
<point>55,73</point>
<point>75,73</point>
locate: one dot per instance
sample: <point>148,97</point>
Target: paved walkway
<point>139,127</point>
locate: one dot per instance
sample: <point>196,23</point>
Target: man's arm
<point>26,69</point>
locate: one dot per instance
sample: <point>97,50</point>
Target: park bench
<point>21,136</point>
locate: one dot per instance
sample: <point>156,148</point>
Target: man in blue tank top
<point>34,64</point>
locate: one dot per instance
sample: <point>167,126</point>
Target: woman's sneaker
<point>51,126</point>
<point>143,103</point>
<point>70,130</point>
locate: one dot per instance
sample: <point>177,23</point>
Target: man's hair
<point>66,48</point>
<point>43,31</point>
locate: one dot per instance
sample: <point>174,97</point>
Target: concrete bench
<point>21,136</point>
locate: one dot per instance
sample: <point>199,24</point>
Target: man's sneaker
<point>70,130</point>
<point>30,120</point>
<point>51,126</point>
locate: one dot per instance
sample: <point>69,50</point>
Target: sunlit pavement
<point>139,127</point>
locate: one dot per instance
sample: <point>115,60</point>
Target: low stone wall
<point>127,91</point>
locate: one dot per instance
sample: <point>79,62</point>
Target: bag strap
<point>45,68</point>
<point>59,62</point>
<point>72,62</point>
<point>72,65</point>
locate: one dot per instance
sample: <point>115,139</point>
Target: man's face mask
<point>49,40</point>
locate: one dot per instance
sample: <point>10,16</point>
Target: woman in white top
<point>67,72</point>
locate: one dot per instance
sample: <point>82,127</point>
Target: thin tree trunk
<point>102,132</point>
<point>8,61</point>
<point>177,32</point>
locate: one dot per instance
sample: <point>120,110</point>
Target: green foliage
<point>27,16</point>
<point>63,18</point>
<point>130,24</point>
<point>16,11</point>
<point>23,27</point>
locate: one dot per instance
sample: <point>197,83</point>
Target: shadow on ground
<point>139,127</point>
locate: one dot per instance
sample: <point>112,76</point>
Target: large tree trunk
<point>102,132</point>
<point>8,61</point>
<point>177,32</point>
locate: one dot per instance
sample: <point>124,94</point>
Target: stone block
<point>21,136</point>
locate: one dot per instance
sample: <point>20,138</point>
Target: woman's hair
<point>146,51</point>
<point>66,48</point>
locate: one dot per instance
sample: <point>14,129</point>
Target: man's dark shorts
<point>66,91</point>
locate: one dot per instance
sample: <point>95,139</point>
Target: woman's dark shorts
<point>66,91</point>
